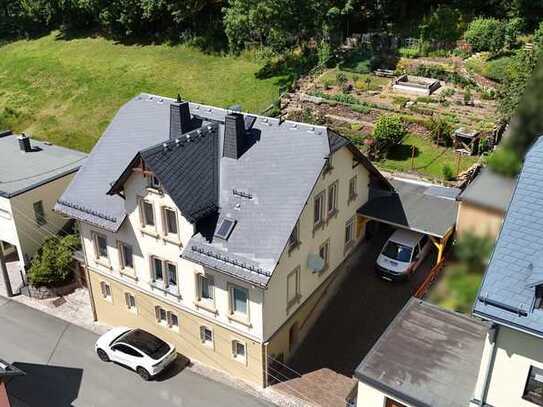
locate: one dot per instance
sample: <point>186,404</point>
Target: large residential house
<point>219,231</point>
<point>33,175</point>
<point>511,297</point>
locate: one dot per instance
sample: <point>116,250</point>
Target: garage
<point>414,206</point>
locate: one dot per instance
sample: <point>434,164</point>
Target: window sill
<point>240,319</point>
<point>331,215</point>
<point>108,299</point>
<point>154,190</point>
<point>240,359</point>
<point>130,273</point>
<point>172,240</point>
<point>208,307</point>
<point>149,232</point>
<point>317,226</point>
<point>293,302</point>
<point>166,290</point>
<point>103,262</point>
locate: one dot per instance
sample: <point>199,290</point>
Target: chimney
<point>234,135</point>
<point>180,121</point>
<point>24,143</point>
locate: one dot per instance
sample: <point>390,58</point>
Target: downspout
<point>493,337</point>
<point>87,276</point>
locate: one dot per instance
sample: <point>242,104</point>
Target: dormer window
<point>154,182</point>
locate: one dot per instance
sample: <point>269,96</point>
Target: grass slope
<point>68,91</point>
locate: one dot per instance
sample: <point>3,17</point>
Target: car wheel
<point>102,355</point>
<point>144,374</point>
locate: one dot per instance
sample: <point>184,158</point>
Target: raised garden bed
<point>416,84</point>
<point>43,293</point>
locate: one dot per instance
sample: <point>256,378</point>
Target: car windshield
<point>396,251</point>
<point>149,344</point>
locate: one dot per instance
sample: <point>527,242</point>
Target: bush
<point>52,266</point>
<point>341,78</point>
<point>388,131</point>
<point>447,172</point>
<point>513,28</point>
<point>505,161</point>
<point>473,251</point>
<point>441,131</point>
<point>485,34</point>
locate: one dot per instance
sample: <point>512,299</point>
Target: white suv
<point>137,349</point>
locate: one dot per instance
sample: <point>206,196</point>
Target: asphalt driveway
<point>358,314</point>
<point>63,370</point>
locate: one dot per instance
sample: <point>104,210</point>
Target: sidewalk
<point>75,308</point>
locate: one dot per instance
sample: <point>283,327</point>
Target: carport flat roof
<point>420,207</point>
<point>427,356</point>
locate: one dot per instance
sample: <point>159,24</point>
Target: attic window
<point>225,228</point>
<point>538,297</point>
<point>154,182</point>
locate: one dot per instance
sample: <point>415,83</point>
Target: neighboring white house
<point>33,175</point>
<point>221,232</point>
<point>511,297</point>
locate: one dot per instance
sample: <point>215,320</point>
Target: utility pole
<point>4,270</point>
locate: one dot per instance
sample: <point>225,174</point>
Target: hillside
<point>66,91</point>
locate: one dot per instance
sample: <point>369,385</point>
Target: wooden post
<point>4,270</point>
<point>412,157</point>
<point>458,158</point>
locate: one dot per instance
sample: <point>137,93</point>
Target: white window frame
<point>353,189</point>
<point>155,259</point>
<point>320,197</point>
<point>325,245</point>
<point>166,227</point>
<point>131,305</point>
<point>204,339</point>
<point>105,289</point>
<point>293,298</point>
<point>171,315</point>
<point>331,199</point>
<point>143,215</point>
<point>164,282</point>
<point>294,238</point>
<point>231,289</point>
<point>154,182</point>
<point>98,256</point>
<point>235,354</point>
<point>349,224</point>
<point>122,256</point>
<point>211,290</point>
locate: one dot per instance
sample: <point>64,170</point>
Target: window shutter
<point>103,289</point>
<point>202,334</point>
<point>157,313</point>
<point>234,348</point>
<point>127,299</point>
<point>169,318</point>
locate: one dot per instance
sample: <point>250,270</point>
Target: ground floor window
<point>166,318</point>
<point>533,391</point>
<point>239,351</point>
<point>130,301</point>
<point>206,335</point>
<point>105,288</point>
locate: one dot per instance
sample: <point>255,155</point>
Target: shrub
<point>409,52</point>
<point>425,99</point>
<point>341,78</point>
<point>473,251</point>
<point>513,28</point>
<point>505,161</point>
<point>345,98</point>
<point>441,131</point>
<point>52,266</point>
<point>400,101</point>
<point>485,34</point>
<point>388,131</point>
<point>448,92</point>
<point>447,172</point>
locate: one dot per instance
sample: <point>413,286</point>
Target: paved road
<point>63,370</point>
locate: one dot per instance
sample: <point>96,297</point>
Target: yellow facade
<point>186,338</point>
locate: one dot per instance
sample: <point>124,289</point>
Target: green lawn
<point>67,91</point>
<point>429,159</point>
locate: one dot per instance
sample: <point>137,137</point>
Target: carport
<point>419,207</point>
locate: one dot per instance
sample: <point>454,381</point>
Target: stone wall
<point>42,293</point>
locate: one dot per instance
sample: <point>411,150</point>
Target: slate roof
<point>427,357</point>
<point>264,191</point>
<point>423,208</point>
<point>21,172</point>
<point>507,293</point>
<point>489,190</point>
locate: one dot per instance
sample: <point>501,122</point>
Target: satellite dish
<point>315,263</point>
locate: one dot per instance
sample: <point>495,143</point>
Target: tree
<point>486,34</point>
<point>513,29</point>
<point>388,131</point>
<point>442,24</point>
<point>52,265</point>
<point>505,161</point>
<point>441,131</point>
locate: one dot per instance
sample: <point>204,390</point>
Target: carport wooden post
<point>441,244</point>
<point>5,275</point>
<point>360,223</point>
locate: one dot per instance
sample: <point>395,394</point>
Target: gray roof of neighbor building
<point>507,293</point>
<point>427,357</point>
<point>420,207</point>
<point>7,369</point>
<point>263,191</point>
<point>21,172</point>
<point>489,190</point>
